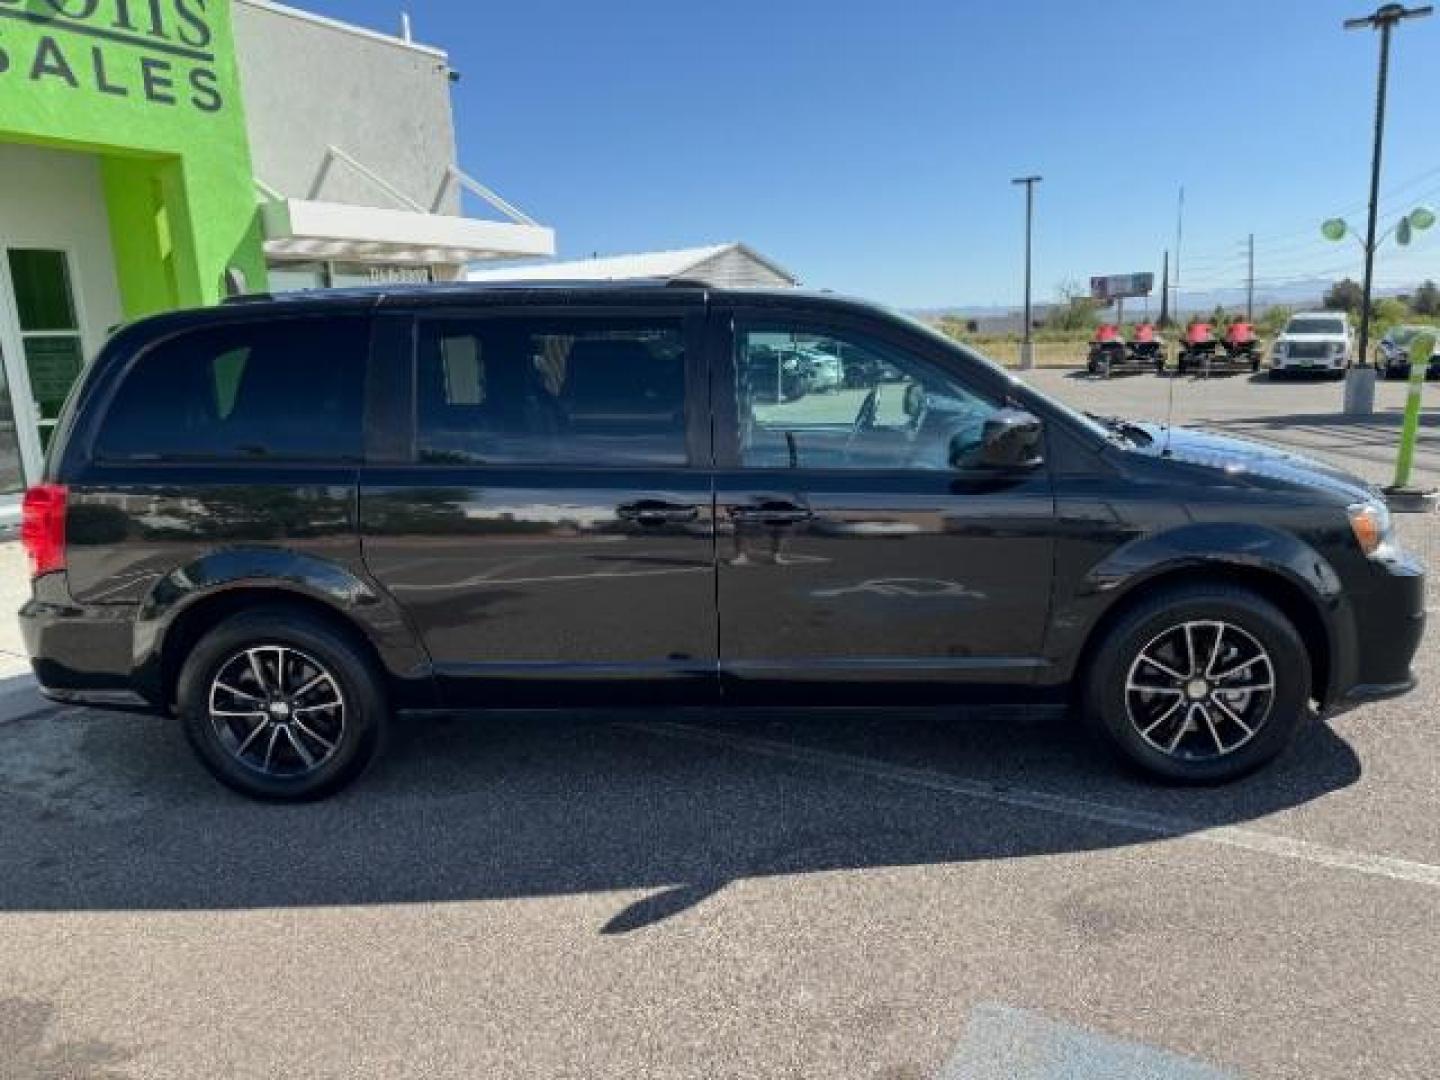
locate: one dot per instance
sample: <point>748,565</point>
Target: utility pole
<point>1165,292</point>
<point>1179,239</point>
<point>1250,283</point>
<point>1027,347</point>
<point>1360,380</point>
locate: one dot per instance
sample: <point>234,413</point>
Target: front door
<point>548,526</point>
<point>12,465</point>
<point>43,348</point>
<point>859,549</point>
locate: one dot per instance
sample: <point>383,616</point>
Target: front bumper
<point>1300,365</point>
<point>1389,624</point>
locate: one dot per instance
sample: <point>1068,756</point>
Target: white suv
<point>1319,341</point>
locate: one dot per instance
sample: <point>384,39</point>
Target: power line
<point>1387,201</point>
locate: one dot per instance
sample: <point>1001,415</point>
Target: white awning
<point>303,229</point>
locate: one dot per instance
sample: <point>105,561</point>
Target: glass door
<point>51,342</point>
<point>12,470</point>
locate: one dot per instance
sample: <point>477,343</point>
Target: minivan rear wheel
<point>1200,684</point>
<point>280,706</point>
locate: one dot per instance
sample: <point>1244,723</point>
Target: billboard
<point>1121,286</point>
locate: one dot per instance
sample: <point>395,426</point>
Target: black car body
<point>451,498</point>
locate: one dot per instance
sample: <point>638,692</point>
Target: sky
<point>869,146</point>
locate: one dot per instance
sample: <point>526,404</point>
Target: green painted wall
<point>152,86</point>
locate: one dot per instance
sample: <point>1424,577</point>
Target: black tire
<point>354,735</point>
<point>1276,719</point>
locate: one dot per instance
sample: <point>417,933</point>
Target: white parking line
<point>1158,825</point>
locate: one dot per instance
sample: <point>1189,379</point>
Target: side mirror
<point>1011,439</point>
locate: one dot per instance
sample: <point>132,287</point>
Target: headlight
<point>1370,522</point>
<point>1337,347</point>
<point>1279,348</point>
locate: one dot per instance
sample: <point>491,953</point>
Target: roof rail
<point>452,288</point>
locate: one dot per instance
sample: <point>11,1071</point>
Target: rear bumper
<point>110,700</point>
<point>84,655</point>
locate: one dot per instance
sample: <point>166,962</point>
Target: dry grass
<point>1052,354</point>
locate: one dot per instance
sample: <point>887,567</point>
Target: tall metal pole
<point>1360,380</point>
<point>1364,357</point>
<point>1027,347</point>
<point>1179,239</point>
<point>1029,252</point>
<point>1250,284</point>
<point>1165,293</point>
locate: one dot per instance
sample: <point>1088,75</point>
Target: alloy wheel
<point>277,711</point>
<point>1200,690</point>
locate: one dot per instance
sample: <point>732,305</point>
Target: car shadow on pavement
<point>108,812</point>
<point>32,1049</point>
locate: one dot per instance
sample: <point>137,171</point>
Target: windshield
<point>1315,326</point>
<point>1403,335</point>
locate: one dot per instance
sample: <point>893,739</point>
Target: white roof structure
<point>412,234</point>
<point>727,265</point>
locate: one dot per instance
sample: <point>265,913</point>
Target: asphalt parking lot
<point>912,895</point>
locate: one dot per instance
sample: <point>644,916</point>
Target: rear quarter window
<point>282,390</point>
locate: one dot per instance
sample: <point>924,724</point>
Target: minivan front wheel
<point>279,706</point>
<point>1200,684</point>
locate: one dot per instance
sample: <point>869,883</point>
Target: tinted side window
<point>810,399</point>
<point>521,392</point>
<point>285,390</point>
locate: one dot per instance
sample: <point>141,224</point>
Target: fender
<point>1079,605</point>
<point>338,587</point>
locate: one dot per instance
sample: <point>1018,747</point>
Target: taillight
<point>42,527</point>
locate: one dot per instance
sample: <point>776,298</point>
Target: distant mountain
<point>1300,293</point>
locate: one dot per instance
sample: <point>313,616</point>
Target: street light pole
<point>1360,379</point>
<point>1027,347</point>
<point>1250,282</point>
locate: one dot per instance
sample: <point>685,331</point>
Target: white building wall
<point>56,199</point>
<point>310,83</point>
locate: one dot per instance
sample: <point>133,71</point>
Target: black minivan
<point>285,520</point>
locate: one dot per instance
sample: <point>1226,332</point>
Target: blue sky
<point>869,146</point>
